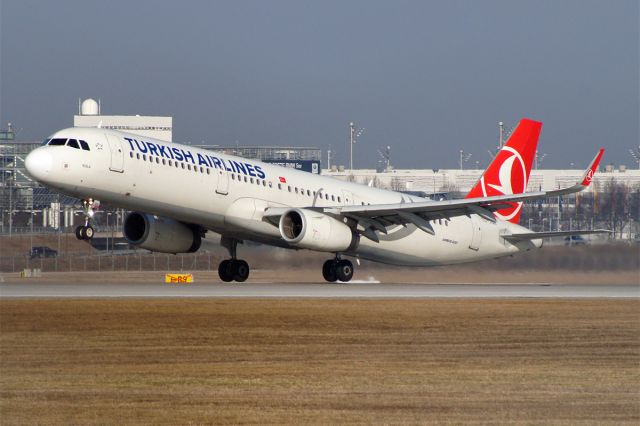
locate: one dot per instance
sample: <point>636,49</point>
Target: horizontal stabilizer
<point>538,235</point>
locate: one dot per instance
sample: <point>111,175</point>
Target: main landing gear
<point>232,269</point>
<point>337,270</point>
<point>86,232</point>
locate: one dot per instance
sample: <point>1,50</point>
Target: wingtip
<point>593,167</point>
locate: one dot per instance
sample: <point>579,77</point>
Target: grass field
<point>319,361</point>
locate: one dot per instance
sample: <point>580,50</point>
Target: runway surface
<point>312,290</point>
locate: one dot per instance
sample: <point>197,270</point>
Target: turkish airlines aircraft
<point>176,193</point>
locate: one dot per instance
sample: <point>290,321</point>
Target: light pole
<point>538,159</point>
<point>434,180</point>
<point>31,230</point>
<point>108,214</point>
<point>464,157</point>
<point>354,134</point>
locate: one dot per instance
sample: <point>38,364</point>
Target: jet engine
<point>315,231</point>
<point>160,234</point>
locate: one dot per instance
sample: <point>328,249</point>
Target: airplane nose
<point>38,163</point>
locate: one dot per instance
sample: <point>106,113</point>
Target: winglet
<point>591,170</point>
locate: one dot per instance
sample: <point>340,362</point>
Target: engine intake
<point>316,231</point>
<point>160,234</point>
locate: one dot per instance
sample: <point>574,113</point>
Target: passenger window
<point>326,196</point>
<point>189,166</point>
<point>339,200</point>
<point>245,179</point>
<point>138,155</point>
<point>182,165</point>
<point>131,154</point>
<point>201,169</point>
<point>264,183</point>
<point>157,160</point>
<point>170,163</point>
<point>289,187</point>
<point>296,189</point>
<point>279,185</point>
<point>208,171</point>
<point>144,157</point>
<point>233,177</point>
<point>164,162</point>
<point>84,145</point>
<point>57,141</point>
<point>308,193</point>
<point>251,180</point>
<point>333,198</point>
<point>270,184</point>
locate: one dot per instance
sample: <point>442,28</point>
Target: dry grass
<point>319,361</point>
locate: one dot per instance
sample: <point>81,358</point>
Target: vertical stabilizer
<point>509,171</point>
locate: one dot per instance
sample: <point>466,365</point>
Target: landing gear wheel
<point>329,271</point>
<point>232,269</point>
<point>88,232</point>
<point>225,270</point>
<point>241,271</point>
<point>344,270</point>
<point>84,232</point>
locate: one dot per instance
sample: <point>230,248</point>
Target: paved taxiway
<point>319,290</point>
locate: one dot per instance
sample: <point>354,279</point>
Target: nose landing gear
<point>86,232</point>
<point>337,270</point>
<point>232,269</point>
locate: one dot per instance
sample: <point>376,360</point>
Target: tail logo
<point>589,175</point>
<point>510,178</point>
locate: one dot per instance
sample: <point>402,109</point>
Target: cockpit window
<point>57,141</point>
<point>84,145</point>
<point>46,141</point>
<point>73,143</point>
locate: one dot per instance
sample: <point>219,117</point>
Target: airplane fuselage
<point>229,195</point>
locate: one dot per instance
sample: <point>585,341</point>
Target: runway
<point>313,290</point>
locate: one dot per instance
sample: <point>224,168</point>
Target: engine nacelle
<point>315,231</point>
<point>160,234</point>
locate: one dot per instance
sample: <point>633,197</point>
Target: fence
<point>113,262</point>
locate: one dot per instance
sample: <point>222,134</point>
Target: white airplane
<point>176,193</point>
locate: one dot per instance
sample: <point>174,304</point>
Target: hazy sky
<point>428,78</point>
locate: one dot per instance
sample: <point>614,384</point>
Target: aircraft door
<point>223,182</point>
<point>476,232</point>
<point>117,154</point>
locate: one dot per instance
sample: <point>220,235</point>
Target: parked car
<point>575,240</point>
<point>42,252</point>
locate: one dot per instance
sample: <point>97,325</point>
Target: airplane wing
<point>378,217</point>
<point>537,235</point>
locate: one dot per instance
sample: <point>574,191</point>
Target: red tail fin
<point>509,171</point>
